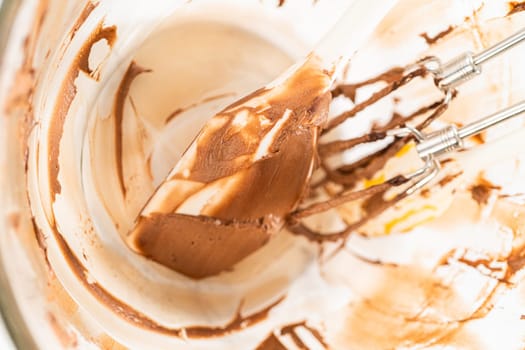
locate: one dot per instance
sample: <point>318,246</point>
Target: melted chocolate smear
<point>348,175</point>
<point>133,71</point>
<point>86,11</point>
<point>41,241</point>
<point>138,319</point>
<point>197,236</point>
<point>272,342</point>
<point>375,322</point>
<point>438,112</point>
<point>303,98</point>
<point>20,97</point>
<point>290,330</point>
<point>68,91</point>
<point>280,3</point>
<point>374,312</point>
<point>377,132</point>
<point>348,197</point>
<point>447,179</point>
<point>379,206</point>
<point>515,7</point>
<point>515,262</point>
<point>68,339</point>
<point>366,168</point>
<point>432,40</point>
<point>349,90</point>
<point>266,190</point>
<point>482,190</point>
<point>399,80</point>
<point>178,111</point>
<point>13,220</point>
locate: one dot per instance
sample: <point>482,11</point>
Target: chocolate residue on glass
<point>515,7</point>
<point>236,324</point>
<point>203,245</point>
<point>378,205</point>
<point>132,72</point>
<point>68,92</point>
<point>349,90</point>
<point>137,318</point>
<point>86,11</point>
<point>479,139</point>
<point>444,181</point>
<point>432,40</point>
<point>68,339</point>
<point>20,96</point>
<point>272,341</point>
<point>261,191</point>
<point>377,132</point>
<point>372,191</point>
<point>481,191</point>
<point>13,219</point>
<point>21,92</point>
<point>178,111</point>
<point>290,330</point>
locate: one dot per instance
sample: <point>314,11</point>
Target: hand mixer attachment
<point>430,147</point>
<point>448,76</point>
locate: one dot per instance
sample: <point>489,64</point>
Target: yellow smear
<point>374,181</point>
<point>390,225</point>
<point>406,148</point>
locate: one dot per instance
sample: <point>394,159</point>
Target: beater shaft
<point>468,65</point>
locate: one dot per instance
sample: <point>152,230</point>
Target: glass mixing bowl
<point>100,95</point>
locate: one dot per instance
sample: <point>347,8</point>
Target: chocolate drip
<point>136,318</point>
<point>290,329</point>
<point>444,181</point>
<point>515,7</point>
<point>349,175</point>
<point>133,71</point>
<point>432,40</point>
<point>178,111</point>
<point>86,11</point>
<point>272,342</point>
<point>481,191</point>
<point>379,206</point>
<point>349,90</point>
<point>396,84</point>
<point>377,133</point>
<point>68,90</point>
<point>348,197</point>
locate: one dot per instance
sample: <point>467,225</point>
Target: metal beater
<point>448,76</point>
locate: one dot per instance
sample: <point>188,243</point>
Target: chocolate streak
<point>68,91</point>
<point>432,40</point>
<point>272,342</point>
<point>481,191</point>
<point>133,71</point>
<point>178,111</point>
<point>447,179</point>
<point>396,79</point>
<point>515,7</point>
<point>86,11</point>
<point>261,193</point>
<point>138,319</point>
